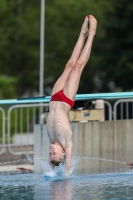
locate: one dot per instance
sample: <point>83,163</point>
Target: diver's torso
<point>58,126</point>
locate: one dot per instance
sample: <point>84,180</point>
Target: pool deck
<point>25,167</point>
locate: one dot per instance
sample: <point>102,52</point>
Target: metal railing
<point>20,120</point>
<point>109,111</point>
<point>24,118</point>
<point>2,130</point>
<point>123,109</point>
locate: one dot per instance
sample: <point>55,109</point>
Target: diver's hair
<point>56,163</point>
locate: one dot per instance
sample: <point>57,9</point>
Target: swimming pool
<point>79,186</point>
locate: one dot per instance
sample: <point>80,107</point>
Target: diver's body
<point>59,130</point>
<point>63,94</point>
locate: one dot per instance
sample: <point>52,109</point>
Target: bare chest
<point>58,128</point>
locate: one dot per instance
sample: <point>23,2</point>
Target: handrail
<point>112,95</point>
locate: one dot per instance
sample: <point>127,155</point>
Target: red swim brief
<point>59,96</point>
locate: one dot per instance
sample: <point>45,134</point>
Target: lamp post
<point>42,34</point>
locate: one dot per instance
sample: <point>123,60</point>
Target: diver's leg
<point>60,83</point>
<point>72,84</point>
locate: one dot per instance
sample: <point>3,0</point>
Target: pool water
<point>79,186</point>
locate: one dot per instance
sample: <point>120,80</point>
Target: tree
<point>63,24</point>
<point>20,41</point>
<point>117,63</point>
<point>7,87</point>
<point>19,44</point>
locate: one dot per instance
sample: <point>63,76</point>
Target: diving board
<point>79,97</point>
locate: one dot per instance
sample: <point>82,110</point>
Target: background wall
<point>111,140</point>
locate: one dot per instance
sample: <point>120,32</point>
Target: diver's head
<point>56,154</point>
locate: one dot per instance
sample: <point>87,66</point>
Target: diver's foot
<point>84,29</point>
<point>93,24</point>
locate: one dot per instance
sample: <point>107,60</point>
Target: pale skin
<point>58,126</point>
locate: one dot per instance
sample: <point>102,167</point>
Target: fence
<point>18,125</point>
<point>123,109</point>
<point>25,116</point>
<point>2,130</point>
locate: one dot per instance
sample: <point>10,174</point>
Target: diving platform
<point>79,97</point>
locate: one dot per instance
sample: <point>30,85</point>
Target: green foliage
<point>19,44</point>
<point>7,87</point>
<point>63,23</point>
<point>117,63</point>
<point>111,57</point>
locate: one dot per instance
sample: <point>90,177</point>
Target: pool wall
<point>111,140</point>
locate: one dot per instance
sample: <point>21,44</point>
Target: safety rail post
<point>2,130</point>
<point>110,110</point>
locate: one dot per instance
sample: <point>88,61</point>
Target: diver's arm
<point>68,151</point>
<point>50,164</point>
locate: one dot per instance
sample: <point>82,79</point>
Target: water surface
<point>79,186</point>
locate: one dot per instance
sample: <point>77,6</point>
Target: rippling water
<point>78,186</point>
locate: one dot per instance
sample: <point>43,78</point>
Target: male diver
<point>63,94</point>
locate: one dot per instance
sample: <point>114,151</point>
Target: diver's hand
<point>68,173</point>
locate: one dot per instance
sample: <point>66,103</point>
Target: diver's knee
<point>70,63</point>
<point>79,64</point>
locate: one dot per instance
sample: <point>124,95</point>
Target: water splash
<point>58,171</point>
<point>102,159</point>
<point>21,160</point>
<point>44,164</point>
